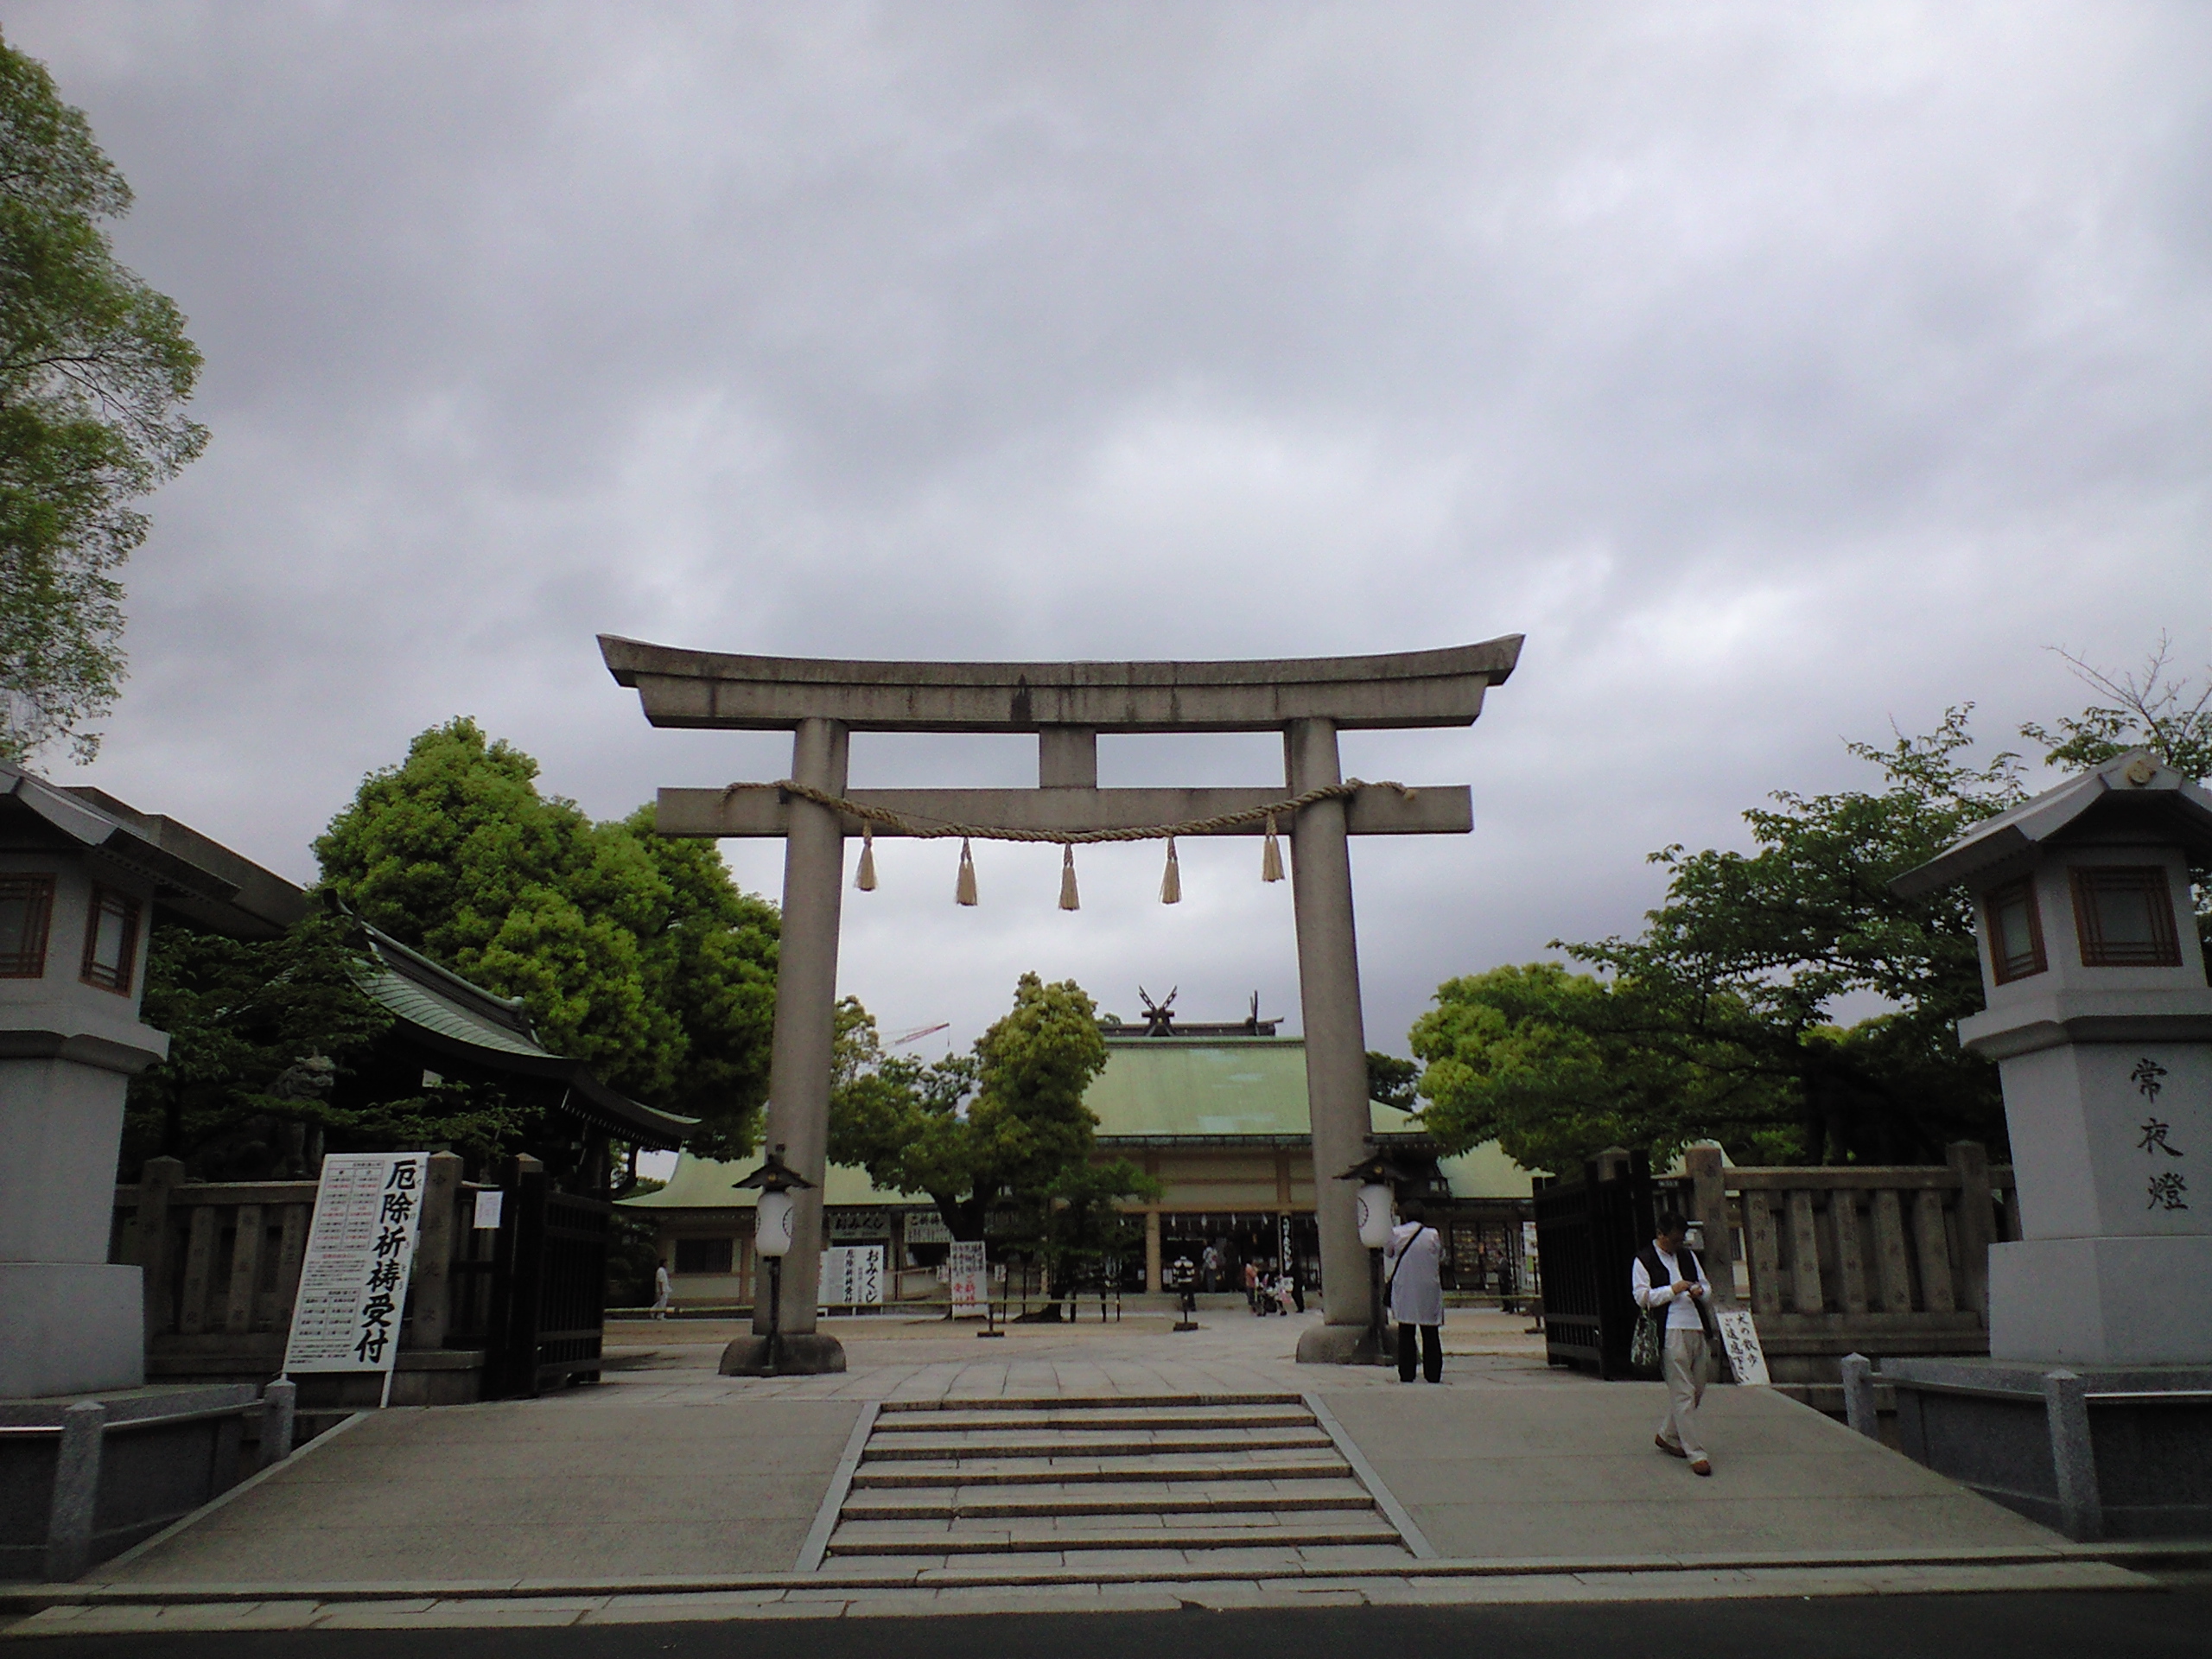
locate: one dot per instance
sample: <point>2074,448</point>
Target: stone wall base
<point>800,1354</point>
<point>2095,1451</point>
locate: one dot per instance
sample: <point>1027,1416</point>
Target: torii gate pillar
<point>1066,705</point>
<point>802,1051</point>
<point>1336,1038</point>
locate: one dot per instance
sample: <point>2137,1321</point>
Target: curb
<point>2137,1556</point>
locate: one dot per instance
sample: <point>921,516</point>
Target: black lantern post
<point>772,1234</point>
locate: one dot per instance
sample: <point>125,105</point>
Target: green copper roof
<point>706,1184</point>
<point>420,1006</point>
<point>1157,1086</point>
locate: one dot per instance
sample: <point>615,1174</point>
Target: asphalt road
<point>2176,1621</point>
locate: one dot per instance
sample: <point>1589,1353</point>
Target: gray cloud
<point>1779,374</point>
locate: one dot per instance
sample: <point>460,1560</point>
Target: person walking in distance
<point>1668,1276</point>
<point>662,1289</point>
<point>1413,1259</point>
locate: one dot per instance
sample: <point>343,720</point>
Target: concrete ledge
<point>808,1355</point>
<point>1342,1344</point>
<point>2134,1557</point>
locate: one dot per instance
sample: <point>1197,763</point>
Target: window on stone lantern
<point>111,941</point>
<point>2124,916</point>
<point>2015,931</point>
<point>26,908</point>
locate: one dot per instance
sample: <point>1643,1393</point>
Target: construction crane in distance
<point>918,1032</point>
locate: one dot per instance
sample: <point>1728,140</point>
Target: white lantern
<point>772,1225</point>
<point>1374,1217</point>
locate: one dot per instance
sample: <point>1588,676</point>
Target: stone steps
<point>1136,1443</point>
<point>1089,1402</point>
<point>1313,1464</point>
<point>1229,1496</point>
<point>1167,1479</point>
<point>1237,1531</point>
<point>949,1422</point>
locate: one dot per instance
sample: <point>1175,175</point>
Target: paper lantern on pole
<point>1374,1217</point>
<point>772,1225</point>
<point>775,1181</point>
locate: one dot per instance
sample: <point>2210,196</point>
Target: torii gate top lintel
<point>730,692</point>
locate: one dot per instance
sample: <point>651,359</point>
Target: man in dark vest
<point>1668,1281</point>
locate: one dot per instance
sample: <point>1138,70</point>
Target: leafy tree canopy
<point>95,371</point>
<point>1717,1020</point>
<point>634,952</point>
<point>1006,1120</point>
<point>241,1018</point>
<point>1393,1081</point>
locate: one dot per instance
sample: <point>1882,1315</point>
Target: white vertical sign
<point>970,1276</point>
<point>1739,1337</point>
<point>368,1213</point>
<point>852,1275</point>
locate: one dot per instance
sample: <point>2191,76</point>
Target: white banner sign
<point>368,1212</point>
<point>1740,1337</point>
<point>927,1227</point>
<point>970,1277</point>
<point>852,1275</point>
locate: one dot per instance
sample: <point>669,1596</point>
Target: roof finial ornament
<point>1159,1017</point>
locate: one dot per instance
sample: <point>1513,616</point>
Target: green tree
<point>1393,1081</point>
<point>1006,1121</point>
<point>95,371</point>
<point>2148,710</point>
<point>1717,1020</point>
<point>242,1017</point>
<point>1548,1064</point>
<point>634,952</point>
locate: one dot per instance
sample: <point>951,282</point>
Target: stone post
<point>75,1505</point>
<point>1151,1251</point>
<point>1336,1037</point>
<point>1859,1411</point>
<point>1709,1209</point>
<point>160,1175</point>
<point>1977,1223</point>
<point>280,1402</point>
<point>431,1289</point>
<point>805,1032</point>
<point>2072,1458</point>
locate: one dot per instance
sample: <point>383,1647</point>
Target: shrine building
<point>1216,1113</point>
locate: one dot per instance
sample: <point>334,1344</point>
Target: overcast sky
<point>1780,371</point>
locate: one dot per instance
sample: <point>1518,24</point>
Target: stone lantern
<point>80,875</point>
<point>2099,1018</point>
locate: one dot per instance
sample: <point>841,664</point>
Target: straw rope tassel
<point>1271,857</point>
<point>866,880</point>
<point>1171,885</point>
<point>964,891</point>
<point>1070,900</point>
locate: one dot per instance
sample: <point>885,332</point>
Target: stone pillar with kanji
<point>2099,1020</point>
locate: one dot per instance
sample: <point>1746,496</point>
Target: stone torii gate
<point>1067,705</point>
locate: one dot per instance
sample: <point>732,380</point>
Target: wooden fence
<point>222,1268</point>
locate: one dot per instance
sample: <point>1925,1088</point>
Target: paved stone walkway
<point>669,1491</point>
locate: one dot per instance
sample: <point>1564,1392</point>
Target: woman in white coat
<point>1413,1265</point>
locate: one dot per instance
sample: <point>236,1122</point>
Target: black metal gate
<point>552,1311</point>
<point>1587,1232</point>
